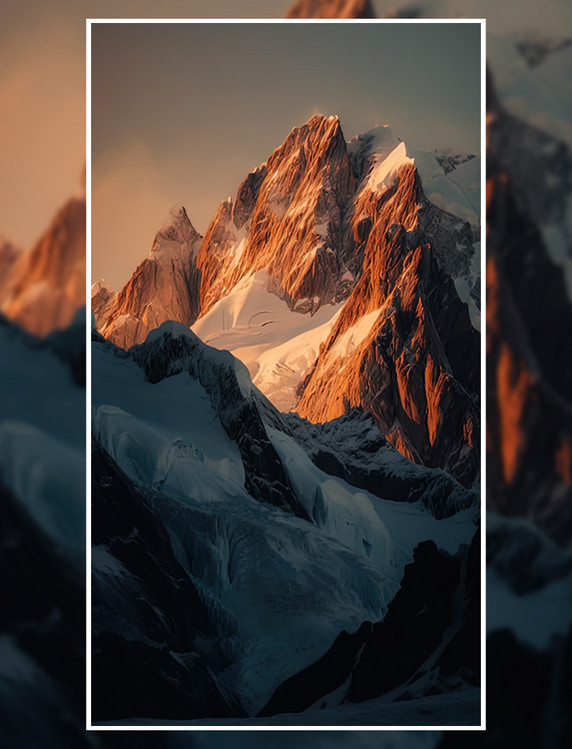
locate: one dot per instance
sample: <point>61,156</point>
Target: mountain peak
<point>287,219</point>
<point>331,9</point>
<point>177,227</point>
<point>100,285</point>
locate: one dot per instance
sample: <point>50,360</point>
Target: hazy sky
<point>42,74</point>
<point>182,112</point>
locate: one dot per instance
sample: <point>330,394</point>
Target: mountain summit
<point>339,283</point>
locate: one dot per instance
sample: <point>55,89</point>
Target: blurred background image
<point>529,375</point>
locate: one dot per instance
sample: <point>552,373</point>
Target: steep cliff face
<point>44,288</point>
<point>164,287</point>
<point>9,253</point>
<point>403,346</point>
<point>529,431</point>
<point>333,277</point>
<point>529,426</point>
<point>289,219</point>
<point>427,641</point>
<point>217,534</point>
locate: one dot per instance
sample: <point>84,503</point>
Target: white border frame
<point>200,727</point>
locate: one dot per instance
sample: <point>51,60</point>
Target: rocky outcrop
<point>403,346</point>
<point>45,287</point>
<point>331,9</point>
<point>173,349</point>
<point>164,287</point>
<point>529,418</point>
<point>353,448</point>
<point>147,631</point>
<point>102,300</point>
<point>288,218</point>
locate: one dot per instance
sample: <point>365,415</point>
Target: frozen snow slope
<point>277,345</point>
<point>179,418</point>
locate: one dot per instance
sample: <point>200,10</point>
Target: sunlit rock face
<point>529,433</point>
<point>331,222</point>
<point>42,289</point>
<point>343,229</point>
<point>331,9</point>
<point>403,346</point>
<point>9,253</point>
<point>288,218</point>
<point>164,287</point>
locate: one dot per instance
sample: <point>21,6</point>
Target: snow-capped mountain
<point>42,289</point>
<point>302,271</point>
<point>403,346</point>
<point>164,286</point>
<point>282,554</point>
<point>288,218</point>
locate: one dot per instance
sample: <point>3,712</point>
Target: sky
<point>42,84</point>
<point>182,112</point>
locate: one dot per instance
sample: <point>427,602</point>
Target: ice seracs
<point>291,277</point>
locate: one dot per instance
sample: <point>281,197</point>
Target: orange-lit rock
<point>287,218</point>
<point>513,383</point>
<point>332,222</point>
<point>416,368</point>
<point>164,287</point>
<point>564,462</point>
<point>331,9</point>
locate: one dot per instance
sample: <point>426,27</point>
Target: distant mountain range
<point>343,275</point>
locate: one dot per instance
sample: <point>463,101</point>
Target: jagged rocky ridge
<point>42,289</point>
<point>353,448</point>
<point>247,514</point>
<point>291,213</point>
<point>328,224</point>
<point>417,369</point>
<point>150,625</point>
<point>331,9</point>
